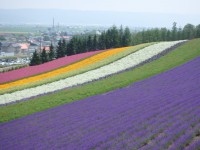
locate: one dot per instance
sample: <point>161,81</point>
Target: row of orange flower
<point>67,69</point>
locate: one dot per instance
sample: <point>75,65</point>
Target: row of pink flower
<point>33,70</point>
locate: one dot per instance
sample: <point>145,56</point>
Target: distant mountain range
<point>71,17</point>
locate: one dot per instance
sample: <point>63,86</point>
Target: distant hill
<point>71,17</point>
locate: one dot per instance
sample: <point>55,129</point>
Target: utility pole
<point>58,27</point>
<point>53,25</point>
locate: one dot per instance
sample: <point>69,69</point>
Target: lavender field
<point>162,112</point>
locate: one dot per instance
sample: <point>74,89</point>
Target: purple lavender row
<point>195,145</point>
<point>143,133</point>
<point>147,114</point>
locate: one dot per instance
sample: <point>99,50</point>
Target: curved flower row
<point>66,69</point>
<point>34,70</point>
<point>117,66</point>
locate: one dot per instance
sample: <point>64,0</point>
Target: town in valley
<point>19,42</point>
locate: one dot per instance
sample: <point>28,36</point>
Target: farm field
<point>34,70</point>
<point>161,112</point>
<point>102,75</point>
<point>133,60</point>
<point>144,97</point>
<point>85,65</point>
<point>176,57</point>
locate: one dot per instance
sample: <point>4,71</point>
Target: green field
<point>10,68</point>
<point>181,55</point>
<point>20,29</point>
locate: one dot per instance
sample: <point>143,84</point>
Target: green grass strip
<point>181,55</point>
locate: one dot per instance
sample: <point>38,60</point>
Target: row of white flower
<point>117,66</point>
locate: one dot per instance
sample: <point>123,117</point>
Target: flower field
<point>69,68</point>
<point>127,62</point>
<point>161,112</point>
<point>33,70</point>
<point>144,97</point>
<point>28,83</point>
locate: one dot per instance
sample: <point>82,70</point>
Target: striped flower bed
<point>64,70</point>
<point>159,113</point>
<point>33,70</point>
<point>115,67</point>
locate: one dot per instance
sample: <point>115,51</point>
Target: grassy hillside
<point>182,54</point>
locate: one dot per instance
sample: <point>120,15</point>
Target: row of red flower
<point>33,70</point>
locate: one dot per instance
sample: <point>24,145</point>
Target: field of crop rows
<point>120,65</point>
<point>33,70</point>
<point>161,112</point>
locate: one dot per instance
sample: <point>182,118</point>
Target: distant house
<point>8,47</point>
<point>16,48</point>
<point>24,48</point>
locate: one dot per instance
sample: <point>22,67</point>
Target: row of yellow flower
<point>72,67</point>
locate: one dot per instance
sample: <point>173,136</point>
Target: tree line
<point>43,57</point>
<point>113,38</point>
<point>189,31</point>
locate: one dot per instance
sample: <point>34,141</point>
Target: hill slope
<point>177,57</point>
<point>157,113</point>
<point>135,59</point>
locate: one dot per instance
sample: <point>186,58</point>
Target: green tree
<point>198,31</point>
<point>51,52</point>
<point>102,41</point>
<point>60,50</point>
<point>189,31</point>
<point>137,38</point>
<point>64,48</point>
<point>44,56</point>
<point>89,43</point>
<point>69,48</point>
<point>79,45</point>
<point>126,40</point>
<point>108,39</point>
<point>121,35</point>
<point>95,42</point>
<point>35,59</point>
<point>174,32</point>
<point>180,34</point>
<point>72,47</point>
<point>168,38</point>
<point>163,34</point>
<point>115,39</point>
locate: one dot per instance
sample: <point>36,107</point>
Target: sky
<point>146,13</point>
<point>154,6</point>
